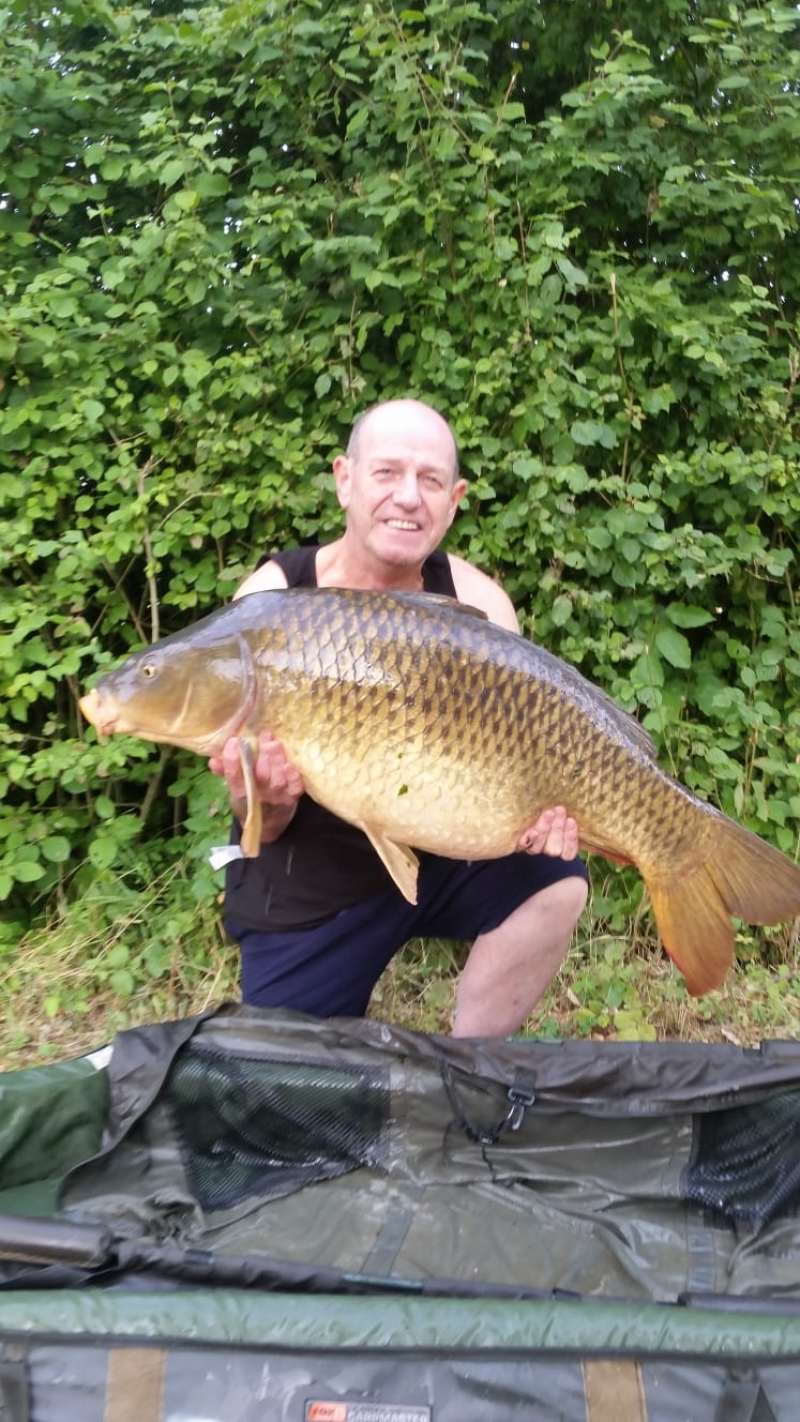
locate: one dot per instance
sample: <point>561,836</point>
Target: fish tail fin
<point>695,928</point>
<point>741,875</point>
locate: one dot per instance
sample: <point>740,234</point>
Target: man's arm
<point>268,576</point>
<point>477,590</point>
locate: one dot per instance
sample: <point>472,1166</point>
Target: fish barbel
<point>423,724</point>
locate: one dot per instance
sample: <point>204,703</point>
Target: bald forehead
<point>403,421</point>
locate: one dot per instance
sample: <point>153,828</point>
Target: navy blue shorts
<point>331,969</point>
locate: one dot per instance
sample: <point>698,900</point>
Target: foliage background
<point>226,229</point>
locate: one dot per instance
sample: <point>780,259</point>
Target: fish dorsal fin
<point>453,603</point>
<point>399,861</point>
<point>444,600</point>
<point>425,599</point>
<point>627,723</point>
<point>251,829</point>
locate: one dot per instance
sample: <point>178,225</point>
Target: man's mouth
<point>404,524</point>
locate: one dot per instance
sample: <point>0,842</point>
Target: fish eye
<point>148,669</point>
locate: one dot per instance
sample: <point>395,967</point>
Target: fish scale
<point>431,728</point>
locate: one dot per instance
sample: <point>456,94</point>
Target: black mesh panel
<point>746,1162</point>
<point>251,1127</point>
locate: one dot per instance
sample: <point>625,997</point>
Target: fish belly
<point>418,794</point>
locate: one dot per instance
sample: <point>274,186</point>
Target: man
<point>316,916</point>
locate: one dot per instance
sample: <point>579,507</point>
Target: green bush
<point>225,230</point>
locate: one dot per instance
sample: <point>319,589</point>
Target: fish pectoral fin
<point>251,829</point>
<point>400,861</point>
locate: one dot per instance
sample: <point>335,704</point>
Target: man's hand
<point>554,833</point>
<point>278,782</point>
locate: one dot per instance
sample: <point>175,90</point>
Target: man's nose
<point>407,490</point>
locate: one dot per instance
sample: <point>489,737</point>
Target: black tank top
<point>320,864</point>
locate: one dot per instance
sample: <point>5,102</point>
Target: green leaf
<point>359,120</point>
<point>56,848</point>
<point>573,275</point>
<point>211,184</point>
<point>122,982</point>
<point>563,450</point>
<point>588,432</point>
<point>196,289</point>
<point>173,171</point>
<point>674,648</point>
<point>687,616</point>
<point>103,851</point>
<point>561,611</point>
<point>27,871</point>
<point>111,169</point>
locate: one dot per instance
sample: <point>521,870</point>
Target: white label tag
<point>224,854</point>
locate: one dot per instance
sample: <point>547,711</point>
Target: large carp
<point>426,725</point>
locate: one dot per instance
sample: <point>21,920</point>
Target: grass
<point>121,958</point>
<point>608,989</point>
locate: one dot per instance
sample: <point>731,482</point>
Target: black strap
<point>744,1400</point>
<point>14,1392</point>
<point>520,1096</point>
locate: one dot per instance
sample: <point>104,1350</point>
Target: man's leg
<point>328,970</point>
<point>510,967</point>
<point>520,924</point>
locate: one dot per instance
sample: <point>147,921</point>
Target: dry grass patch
<point>121,963</point>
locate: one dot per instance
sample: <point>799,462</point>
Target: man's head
<point>398,482</point>
<point>389,411</point>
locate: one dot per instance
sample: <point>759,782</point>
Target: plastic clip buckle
<point>520,1101</point>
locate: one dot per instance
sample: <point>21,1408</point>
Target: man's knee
<point>575,893</point>
<point>562,902</point>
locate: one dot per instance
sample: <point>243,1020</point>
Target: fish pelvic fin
<point>251,829</point>
<point>741,876</point>
<point>398,860</point>
<point>594,843</point>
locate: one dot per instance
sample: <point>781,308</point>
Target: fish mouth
<point>92,711</point>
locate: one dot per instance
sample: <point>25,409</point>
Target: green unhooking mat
<point>256,1215</point>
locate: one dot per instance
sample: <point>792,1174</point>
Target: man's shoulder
<point>268,575</point>
<point>479,590</point>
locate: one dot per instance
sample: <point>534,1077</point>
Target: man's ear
<point>459,490</point>
<point>342,479</point>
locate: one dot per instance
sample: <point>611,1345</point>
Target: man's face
<point>398,491</point>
